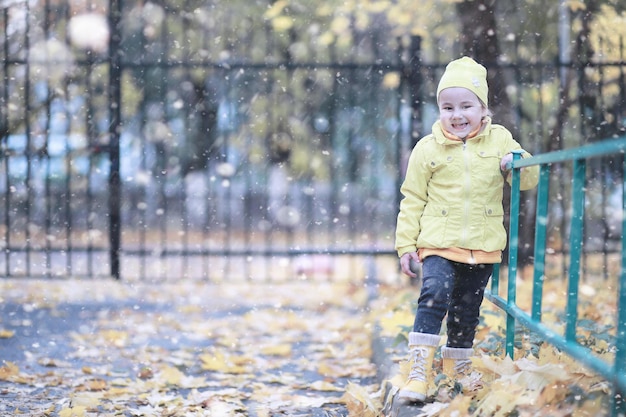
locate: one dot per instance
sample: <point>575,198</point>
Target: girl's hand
<point>506,159</point>
<point>405,263</point>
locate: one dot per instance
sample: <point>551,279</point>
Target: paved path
<point>109,348</point>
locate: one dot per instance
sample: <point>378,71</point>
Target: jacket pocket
<point>488,164</point>
<point>434,226</point>
<point>494,237</point>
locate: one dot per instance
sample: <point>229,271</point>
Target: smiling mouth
<point>460,126</point>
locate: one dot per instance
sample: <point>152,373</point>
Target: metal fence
<point>613,369</point>
<point>145,160</point>
<point>188,146</point>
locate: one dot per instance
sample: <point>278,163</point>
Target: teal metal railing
<point>614,372</point>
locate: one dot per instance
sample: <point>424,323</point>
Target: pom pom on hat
<point>467,73</point>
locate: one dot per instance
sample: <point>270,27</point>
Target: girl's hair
<point>489,112</point>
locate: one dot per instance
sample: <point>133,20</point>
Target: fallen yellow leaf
<point>5,334</point>
<point>219,362</point>
<point>8,370</point>
<point>115,337</point>
<point>73,412</point>
<point>94,385</point>
<point>501,401</point>
<point>88,400</point>
<point>171,375</point>
<point>393,323</point>
<point>277,350</point>
<point>359,402</point>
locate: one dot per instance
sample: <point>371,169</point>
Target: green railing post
<point>513,246</point>
<point>541,227</point>
<point>575,246</point>
<point>495,279</point>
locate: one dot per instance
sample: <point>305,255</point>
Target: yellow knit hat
<point>467,73</point>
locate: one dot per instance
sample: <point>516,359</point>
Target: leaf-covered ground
<point>540,381</point>
<point>105,348</point>
<point>100,348</point>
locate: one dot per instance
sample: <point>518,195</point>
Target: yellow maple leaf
<point>5,334</point>
<point>89,400</point>
<point>276,9</point>
<point>326,38</point>
<point>171,375</point>
<point>490,364</point>
<point>115,337</point>
<point>549,354</point>
<point>9,370</point>
<point>333,370</point>
<point>495,320</point>
<point>73,412</point>
<point>391,80</point>
<point>282,23</point>
<point>283,349</point>
<point>359,402</point>
<point>117,392</point>
<point>95,385</point>
<point>393,322</point>
<point>501,400</point>
<point>219,362</point>
<point>459,406</point>
<point>534,376</point>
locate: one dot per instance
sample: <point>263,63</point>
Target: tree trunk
<point>479,39</point>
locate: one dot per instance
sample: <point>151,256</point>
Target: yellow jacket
<point>452,203</point>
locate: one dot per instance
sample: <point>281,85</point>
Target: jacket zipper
<point>468,188</point>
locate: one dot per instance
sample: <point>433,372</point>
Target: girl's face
<point>460,111</point>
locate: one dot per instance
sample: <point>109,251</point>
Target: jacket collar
<point>443,140</point>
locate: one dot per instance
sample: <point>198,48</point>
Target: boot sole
<point>411,396</point>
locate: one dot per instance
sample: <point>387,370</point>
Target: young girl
<point>451,220</point>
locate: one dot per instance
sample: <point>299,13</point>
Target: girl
<point>451,220</point>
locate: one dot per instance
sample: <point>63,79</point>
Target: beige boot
<point>456,362</point>
<point>422,349</point>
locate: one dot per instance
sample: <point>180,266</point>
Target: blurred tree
<point>171,44</point>
<point>479,37</point>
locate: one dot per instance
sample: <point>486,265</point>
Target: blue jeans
<point>453,288</point>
